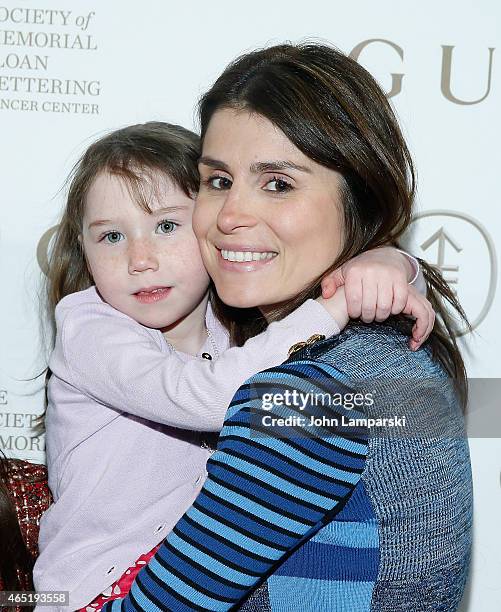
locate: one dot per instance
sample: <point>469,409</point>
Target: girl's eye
<point>166,227</point>
<point>218,182</point>
<point>278,184</point>
<point>112,237</point>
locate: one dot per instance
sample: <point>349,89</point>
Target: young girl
<point>141,363</point>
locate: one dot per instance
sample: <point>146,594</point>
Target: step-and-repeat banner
<point>71,71</point>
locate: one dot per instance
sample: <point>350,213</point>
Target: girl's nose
<point>142,257</point>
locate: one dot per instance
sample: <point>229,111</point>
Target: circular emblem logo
<point>464,252</point>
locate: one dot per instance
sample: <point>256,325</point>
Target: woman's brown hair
<point>333,111</point>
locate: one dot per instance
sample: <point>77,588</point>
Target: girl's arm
<point>269,488</point>
<point>120,364</point>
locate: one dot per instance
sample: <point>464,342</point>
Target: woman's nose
<point>235,212</point>
<point>142,257</point>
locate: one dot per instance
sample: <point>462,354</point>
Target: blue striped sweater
<point>310,514</point>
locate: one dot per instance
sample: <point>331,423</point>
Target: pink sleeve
<point>120,364</point>
<point>418,278</point>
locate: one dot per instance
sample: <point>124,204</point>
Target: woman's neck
<point>269,311</point>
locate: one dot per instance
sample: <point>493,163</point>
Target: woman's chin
<point>239,299</point>
<point>239,302</point>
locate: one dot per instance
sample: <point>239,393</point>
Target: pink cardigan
<point>123,452</point>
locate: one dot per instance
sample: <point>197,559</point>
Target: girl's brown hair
<point>134,153</point>
<point>333,111</point>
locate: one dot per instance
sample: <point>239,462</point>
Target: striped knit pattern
<point>335,570</point>
<point>410,517</point>
<point>269,490</point>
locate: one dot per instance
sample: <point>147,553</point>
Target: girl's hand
<point>376,286</point>
<point>337,308</point>
<point>418,307</point>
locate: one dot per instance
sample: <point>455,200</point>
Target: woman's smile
<point>244,259</point>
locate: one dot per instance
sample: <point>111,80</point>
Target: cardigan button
<point>199,479</point>
<point>159,528</point>
<point>111,569</point>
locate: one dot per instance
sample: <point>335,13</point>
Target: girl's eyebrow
<point>168,209</point>
<point>159,211</point>
<point>99,222</point>
<point>257,167</point>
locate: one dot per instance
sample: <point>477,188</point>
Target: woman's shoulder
<point>375,350</point>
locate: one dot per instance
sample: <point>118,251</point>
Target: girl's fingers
<point>328,288</point>
<point>331,282</point>
<point>418,307</point>
<point>354,296</point>
<point>369,300</point>
<point>384,303</point>
<point>400,293</point>
<point>430,324</point>
<point>418,335</point>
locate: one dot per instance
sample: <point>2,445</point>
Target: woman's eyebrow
<point>257,167</point>
<point>213,163</point>
<point>277,165</point>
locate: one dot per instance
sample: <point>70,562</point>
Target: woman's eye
<point>167,227</point>
<point>278,184</point>
<point>219,182</point>
<point>112,237</point>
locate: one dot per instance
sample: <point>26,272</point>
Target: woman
<point>303,158</point>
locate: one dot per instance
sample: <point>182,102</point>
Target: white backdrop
<point>69,71</point>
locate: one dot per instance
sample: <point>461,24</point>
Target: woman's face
<point>268,218</point>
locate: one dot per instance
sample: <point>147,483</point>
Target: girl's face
<point>147,266</point>
<point>268,218</point>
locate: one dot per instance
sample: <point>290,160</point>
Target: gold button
<point>299,345</point>
<point>296,347</point>
<point>315,338</point>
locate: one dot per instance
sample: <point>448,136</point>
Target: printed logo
<point>463,250</point>
<point>43,249</point>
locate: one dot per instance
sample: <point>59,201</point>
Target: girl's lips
<point>242,266</point>
<point>151,296</point>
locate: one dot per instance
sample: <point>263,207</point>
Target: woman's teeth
<point>246,255</point>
